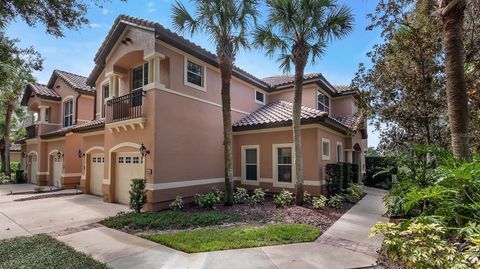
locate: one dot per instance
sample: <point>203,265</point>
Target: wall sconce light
<point>24,155</point>
<point>81,154</point>
<point>143,151</point>
<point>59,154</point>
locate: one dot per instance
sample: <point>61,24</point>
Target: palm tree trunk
<point>297,132</point>
<point>8,127</point>
<point>226,74</point>
<point>457,98</point>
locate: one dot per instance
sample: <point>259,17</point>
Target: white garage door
<point>128,167</point>
<point>57,172</point>
<point>96,174</point>
<point>33,169</point>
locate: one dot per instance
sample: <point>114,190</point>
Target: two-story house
<point>151,87</point>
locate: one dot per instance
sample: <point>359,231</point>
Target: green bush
<point>283,199</point>
<point>177,204</point>
<point>4,179</point>
<point>258,197</point>
<point>379,171</point>
<point>336,201</point>
<point>218,193</point>
<point>207,200</point>
<point>334,177</point>
<point>138,194</point>
<point>354,193</point>
<point>319,202</point>
<point>307,198</point>
<point>240,196</point>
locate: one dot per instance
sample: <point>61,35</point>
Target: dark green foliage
<point>138,194</point>
<point>379,171</point>
<point>209,199</point>
<point>167,220</point>
<point>334,176</point>
<point>42,251</point>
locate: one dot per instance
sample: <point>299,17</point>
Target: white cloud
<point>151,7</point>
<point>94,25</point>
<point>105,11</point>
<point>150,4</point>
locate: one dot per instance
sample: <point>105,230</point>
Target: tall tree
<point>452,13</point>
<point>301,30</point>
<point>227,23</point>
<point>403,93</point>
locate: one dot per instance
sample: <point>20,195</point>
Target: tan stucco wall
<point>309,96</point>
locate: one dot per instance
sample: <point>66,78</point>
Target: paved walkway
<point>344,245</point>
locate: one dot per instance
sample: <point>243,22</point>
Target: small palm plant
<point>300,31</point>
<point>226,22</point>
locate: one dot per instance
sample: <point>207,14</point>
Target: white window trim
<point>329,99</point>
<point>264,97</point>
<point>276,183</point>
<point>204,71</point>
<point>143,76</point>
<point>339,158</point>
<point>244,166</point>
<point>326,157</point>
<point>66,99</point>
<point>104,105</point>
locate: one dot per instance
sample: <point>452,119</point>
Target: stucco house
<point>154,88</point>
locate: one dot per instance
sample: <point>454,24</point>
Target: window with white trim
<point>323,102</point>
<point>250,163</point>
<point>68,113</point>
<point>259,97</point>
<point>339,152</point>
<point>105,95</point>
<point>139,77</point>
<point>47,114</point>
<point>284,164</point>
<point>325,149</point>
<point>195,74</point>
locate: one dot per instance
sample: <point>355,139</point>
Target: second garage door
<point>128,167</point>
<point>96,174</point>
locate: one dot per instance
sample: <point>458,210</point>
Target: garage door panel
<point>57,172</point>
<point>128,167</point>
<point>33,170</point>
<point>96,174</point>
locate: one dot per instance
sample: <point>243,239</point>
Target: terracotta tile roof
<point>276,81</point>
<point>77,82</point>
<point>79,127</point>
<point>15,147</point>
<point>351,122</point>
<point>280,114</point>
<point>43,91</point>
<point>342,88</point>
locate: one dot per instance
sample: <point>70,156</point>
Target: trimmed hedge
<point>339,176</point>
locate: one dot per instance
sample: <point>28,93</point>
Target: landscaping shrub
<point>354,193</point>
<point>283,199</point>
<point>379,171</point>
<point>240,196</point>
<point>258,197</point>
<point>4,179</point>
<point>177,204</point>
<point>218,193</point>
<point>349,175</point>
<point>307,198</point>
<point>319,202</point>
<point>334,178</point>
<point>138,194</point>
<point>336,201</point>
<point>207,200</point>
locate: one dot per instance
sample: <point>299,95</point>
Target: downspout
<point>76,108</point>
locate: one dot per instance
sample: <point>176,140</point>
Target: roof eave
<point>321,120</point>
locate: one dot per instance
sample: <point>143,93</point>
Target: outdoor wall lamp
<point>59,154</point>
<point>143,151</point>
<point>81,154</point>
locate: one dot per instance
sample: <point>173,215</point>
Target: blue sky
<point>75,52</point>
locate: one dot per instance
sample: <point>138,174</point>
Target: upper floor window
<point>259,97</point>
<point>139,77</point>
<point>105,95</point>
<point>47,115</point>
<point>195,75</point>
<point>68,113</point>
<point>323,102</point>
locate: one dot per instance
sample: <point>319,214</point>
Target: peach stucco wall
<point>343,106</point>
<point>309,96</point>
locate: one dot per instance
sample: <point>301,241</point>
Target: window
<point>128,159</point>
<point>323,102</point>
<point>136,159</point>
<point>120,159</point>
<point>250,163</point>
<point>139,77</point>
<point>68,113</point>
<point>195,74</point>
<point>47,115</point>
<point>339,152</point>
<point>105,96</point>
<point>284,164</point>
<point>259,97</point>
<point>325,149</point>
<point>94,159</point>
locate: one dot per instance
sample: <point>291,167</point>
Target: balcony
<point>32,131</point>
<point>126,110</point>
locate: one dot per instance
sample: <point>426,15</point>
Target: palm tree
<point>227,23</point>
<point>452,14</point>
<point>300,30</point>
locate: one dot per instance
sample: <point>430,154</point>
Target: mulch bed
<point>44,196</point>
<point>269,213</point>
<point>384,262</point>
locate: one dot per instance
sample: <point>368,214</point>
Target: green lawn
<point>210,239</point>
<point>166,220</point>
<point>42,251</point>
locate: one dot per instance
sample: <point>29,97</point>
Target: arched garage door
<point>128,166</point>
<point>96,173</point>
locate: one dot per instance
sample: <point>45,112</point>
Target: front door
<point>57,171</point>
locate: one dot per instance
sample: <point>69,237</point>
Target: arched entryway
<point>32,167</point>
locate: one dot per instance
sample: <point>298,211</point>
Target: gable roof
<point>39,90</point>
<point>77,82</point>
<point>279,114</point>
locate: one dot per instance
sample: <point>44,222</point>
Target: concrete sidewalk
<point>344,245</point>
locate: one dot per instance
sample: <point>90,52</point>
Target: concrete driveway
<point>50,215</point>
